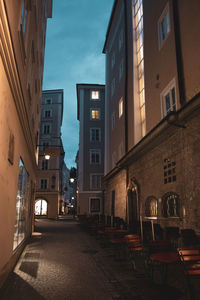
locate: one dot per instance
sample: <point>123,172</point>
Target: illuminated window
<point>151,207</point>
<point>139,45</point>
<point>95,181</point>
<point>163,26</point>
<point>95,114</point>
<point>120,107</point>
<point>41,208</point>
<point>95,156</point>
<point>168,99</point>
<point>170,205</point>
<point>95,134</point>
<point>21,205</point>
<point>43,184</point>
<point>94,204</point>
<point>95,95</point>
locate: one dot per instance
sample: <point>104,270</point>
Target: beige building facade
<point>90,158</point>
<point>22,35</point>
<point>155,177</point>
<point>49,177</point>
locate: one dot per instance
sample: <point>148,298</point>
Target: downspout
<point>179,56</point>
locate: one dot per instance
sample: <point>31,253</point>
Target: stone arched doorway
<point>133,205</point>
<point>41,207</point>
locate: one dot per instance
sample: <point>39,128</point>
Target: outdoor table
<point>164,259</point>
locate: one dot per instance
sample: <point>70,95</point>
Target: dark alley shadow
<point>30,268</point>
<point>16,288</point>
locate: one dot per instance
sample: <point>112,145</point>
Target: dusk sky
<point>75,38</point>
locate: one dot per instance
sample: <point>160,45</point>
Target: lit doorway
<point>41,207</point>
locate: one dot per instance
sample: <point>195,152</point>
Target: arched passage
<point>41,207</point>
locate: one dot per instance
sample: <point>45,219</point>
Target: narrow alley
<point>64,262</point>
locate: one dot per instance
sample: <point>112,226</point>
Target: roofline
<point>109,25</point>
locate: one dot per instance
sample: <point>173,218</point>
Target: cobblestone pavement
<point>64,262</point>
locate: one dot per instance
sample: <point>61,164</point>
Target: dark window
<point>95,205</point>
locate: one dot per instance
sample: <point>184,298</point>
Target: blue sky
<point>75,38</point>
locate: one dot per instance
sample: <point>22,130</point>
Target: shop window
<point>151,207</point>
<point>41,208</point>
<point>170,205</point>
<point>21,205</point>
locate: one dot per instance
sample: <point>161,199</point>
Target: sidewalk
<point>63,262</point>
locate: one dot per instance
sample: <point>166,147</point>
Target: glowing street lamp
<point>47,156</point>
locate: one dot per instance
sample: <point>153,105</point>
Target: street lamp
<point>47,156</point>
<point>71,180</point>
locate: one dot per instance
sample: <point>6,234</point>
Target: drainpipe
<point>179,56</point>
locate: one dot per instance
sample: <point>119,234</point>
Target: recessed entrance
<point>41,207</point>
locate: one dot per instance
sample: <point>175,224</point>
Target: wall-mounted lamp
<point>47,156</point>
<point>71,180</point>
<point>172,119</point>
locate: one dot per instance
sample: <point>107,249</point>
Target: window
<point>95,134</point>
<point>113,120</point>
<point>95,95</point>
<point>170,205</point>
<point>95,181</point>
<point>48,113</point>
<point>46,129</point>
<point>24,14</point>
<point>120,107</point>
<point>163,26</point>
<point>48,101</point>
<point>43,184</point>
<point>169,171</point>
<point>95,114</point>
<point>23,194</point>
<point>45,164</point>
<point>94,204</point>
<point>168,99</point>
<point>151,207</point>
<point>45,144</point>
<point>95,156</point>
<point>113,87</point>
<point>41,208</point>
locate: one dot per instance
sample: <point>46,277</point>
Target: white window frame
<point>95,119</point>
<point>95,95</point>
<point>168,90</point>
<point>121,108</point>
<point>94,211</point>
<point>95,151</point>
<point>165,13</point>
<point>92,187</point>
<point>95,140</point>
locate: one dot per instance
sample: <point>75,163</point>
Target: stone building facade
<point>157,176</point>
<point>90,98</point>
<point>22,36</point>
<point>49,177</point>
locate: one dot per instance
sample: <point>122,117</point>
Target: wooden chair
<point>190,258</point>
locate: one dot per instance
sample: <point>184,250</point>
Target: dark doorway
<point>133,210</point>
